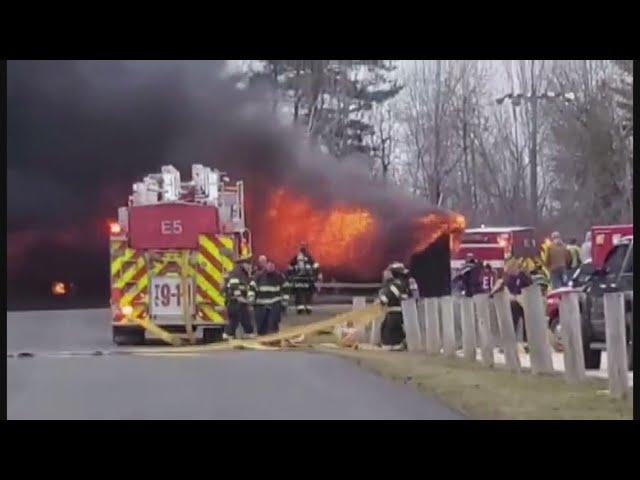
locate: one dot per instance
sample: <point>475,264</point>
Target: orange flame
<point>431,226</point>
<point>336,236</point>
<point>351,239</point>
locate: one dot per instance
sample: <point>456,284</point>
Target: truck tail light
<point>58,288</point>
<point>115,228</point>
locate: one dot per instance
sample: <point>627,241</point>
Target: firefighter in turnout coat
<point>237,298</point>
<point>303,273</point>
<point>269,288</point>
<point>395,289</point>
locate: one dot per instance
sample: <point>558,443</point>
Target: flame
<point>335,236</point>
<point>58,288</point>
<point>350,240</point>
<point>431,226</point>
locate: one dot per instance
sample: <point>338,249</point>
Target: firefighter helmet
<point>397,269</point>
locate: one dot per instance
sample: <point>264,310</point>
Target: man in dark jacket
<point>470,276</point>
<point>270,297</point>
<point>395,289</point>
<point>237,298</point>
<point>302,275</point>
<point>514,279</point>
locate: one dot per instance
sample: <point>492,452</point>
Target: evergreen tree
<point>332,99</point>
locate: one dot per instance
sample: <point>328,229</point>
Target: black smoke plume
<point>81,132</point>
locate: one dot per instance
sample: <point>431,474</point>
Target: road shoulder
<point>481,393</point>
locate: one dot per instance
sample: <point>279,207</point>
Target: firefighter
<point>488,278</point>
<point>262,263</point>
<point>395,289</point>
<point>270,298</point>
<point>470,276</point>
<point>303,273</point>
<point>237,299</point>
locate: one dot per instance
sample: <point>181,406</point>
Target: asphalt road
<point>219,385</point>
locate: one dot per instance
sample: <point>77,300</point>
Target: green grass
<point>482,393</point>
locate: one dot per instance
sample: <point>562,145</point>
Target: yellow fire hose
<point>356,318</point>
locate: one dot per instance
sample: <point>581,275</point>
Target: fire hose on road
<point>275,341</point>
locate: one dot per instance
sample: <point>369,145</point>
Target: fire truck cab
<point>170,250</point>
<point>492,245</point>
<point>604,238</point>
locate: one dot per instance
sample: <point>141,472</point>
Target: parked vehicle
<point>581,276</point>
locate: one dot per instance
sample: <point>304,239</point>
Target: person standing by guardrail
<point>557,260</point>
<point>470,276</point>
<point>395,289</point>
<point>514,279</point>
<point>585,249</point>
<point>574,253</point>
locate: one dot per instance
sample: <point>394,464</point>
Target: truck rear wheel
<point>629,320</point>
<point>212,335</point>
<point>592,357</point>
<point>128,336</point>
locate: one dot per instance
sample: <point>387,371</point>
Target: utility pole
<point>533,98</point>
<point>533,152</point>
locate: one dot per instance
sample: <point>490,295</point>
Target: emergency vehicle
<point>604,238</point>
<point>493,245</point>
<point>170,249</point>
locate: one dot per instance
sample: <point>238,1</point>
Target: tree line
<point>548,143</point>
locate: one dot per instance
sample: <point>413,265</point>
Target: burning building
<point>145,114</point>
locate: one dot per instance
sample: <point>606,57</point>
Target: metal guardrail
<point>354,286</point>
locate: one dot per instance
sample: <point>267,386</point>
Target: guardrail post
<point>495,329</point>
<point>468,328</point>
<point>457,321</point>
<point>484,328</point>
<point>374,337</point>
<point>448,327</point>
<point>571,336</point>
<point>617,368</point>
<point>358,303</point>
<point>536,325</point>
<point>410,319</point>
<point>422,322</point>
<point>507,332</point>
<point>432,326</point>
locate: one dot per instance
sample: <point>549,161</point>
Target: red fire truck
<point>604,238</point>
<point>170,249</point>
<point>493,245</point>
